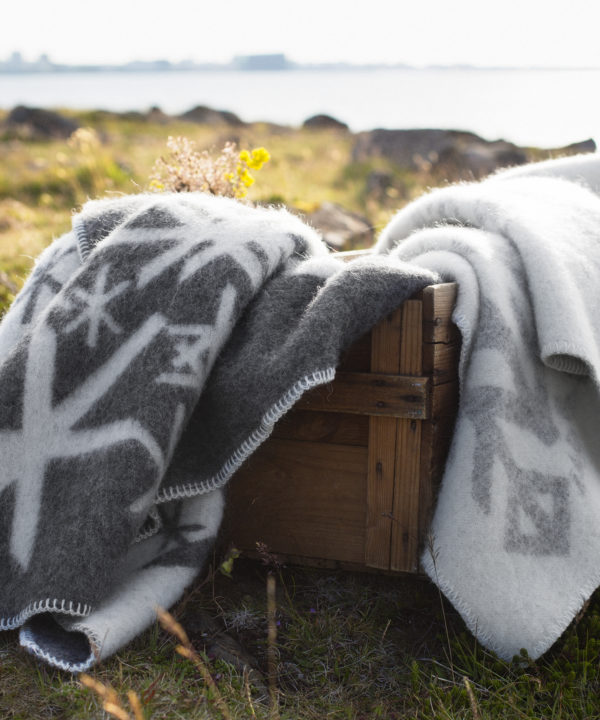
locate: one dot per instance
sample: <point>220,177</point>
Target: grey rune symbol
<point>538,517</point>
<point>198,344</point>
<point>47,433</point>
<point>94,310</point>
<point>198,254</point>
<point>48,278</point>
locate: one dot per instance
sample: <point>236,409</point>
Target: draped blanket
<point>516,533</point>
<point>154,347</point>
<point>149,353</point>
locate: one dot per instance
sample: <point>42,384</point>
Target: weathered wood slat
<point>405,513</point>
<point>301,499</point>
<point>349,476</point>
<point>358,357</point>
<point>371,394</point>
<point>444,400</point>
<point>411,344</point>
<point>385,358</point>
<point>405,510</point>
<point>441,361</point>
<point>326,427</point>
<point>380,491</point>
<point>438,303</point>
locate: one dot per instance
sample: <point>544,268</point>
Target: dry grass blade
<point>94,685</point>
<point>247,692</point>
<point>136,705</point>
<point>272,646</point>
<point>187,650</point>
<point>111,703</point>
<point>472,699</point>
<point>171,625</point>
<point>116,711</point>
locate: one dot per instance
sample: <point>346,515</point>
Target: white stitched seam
<point>256,438</point>
<point>47,605</point>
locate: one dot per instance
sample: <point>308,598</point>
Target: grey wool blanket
<point>516,533</point>
<point>149,353</point>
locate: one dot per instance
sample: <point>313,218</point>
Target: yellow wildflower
<point>157,185</point>
<point>258,158</point>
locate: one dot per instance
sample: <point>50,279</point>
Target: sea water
<point>545,108</point>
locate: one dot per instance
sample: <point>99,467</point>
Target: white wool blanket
<point>515,540</point>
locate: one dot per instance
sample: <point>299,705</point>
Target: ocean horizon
<point>542,108</point>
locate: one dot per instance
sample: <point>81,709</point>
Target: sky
<point>547,33</point>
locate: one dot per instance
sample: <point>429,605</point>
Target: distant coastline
<point>15,64</point>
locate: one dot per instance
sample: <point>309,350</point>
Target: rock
<point>585,146</point>
<point>207,116</point>
<point>324,122</point>
<point>455,154</point>
<point>156,115</point>
<point>465,154</point>
<point>378,183</point>
<point>220,645</point>
<point>341,229</point>
<point>39,123</point>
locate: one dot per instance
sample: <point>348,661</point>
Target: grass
<point>338,644</point>
<point>43,182</point>
<point>348,646</point>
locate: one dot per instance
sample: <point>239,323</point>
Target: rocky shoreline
<point>414,149</point>
<point>435,154</point>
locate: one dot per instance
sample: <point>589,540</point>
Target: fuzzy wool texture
<point>516,532</point>
<point>149,353</point>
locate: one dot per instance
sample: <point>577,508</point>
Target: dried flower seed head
<point>187,169</point>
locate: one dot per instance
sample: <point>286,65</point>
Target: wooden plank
<point>385,358</point>
<point>405,509</point>
<point>438,304</point>
<point>411,361</point>
<point>357,357</point>
<point>326,427</point>
<point>405,526</point>
<point>385,344</point>
<point>444,400</point>
<point>371,394</point>
<point>436,438</point>
<point>380,491</point>
<point>441,361</point>
<point>300,498</point>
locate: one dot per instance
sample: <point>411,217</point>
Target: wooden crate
<point>349,475</point>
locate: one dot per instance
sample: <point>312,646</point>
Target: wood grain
<point>371,394</point>
<point>438,304</point>
<point>326,427</point>
<point>405,510</point>
<point>385,358</point>
<point>301,498</point>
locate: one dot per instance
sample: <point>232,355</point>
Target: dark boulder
<point>453,154</point>
<point>324,122</point>
<point>585,146</point>
<point>340,228</point>
<point>207,116</point>
<point>156,115</point>
<point>458,153</point>
<point>39,123</point>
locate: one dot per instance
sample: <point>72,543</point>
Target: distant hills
<point>276,62</point>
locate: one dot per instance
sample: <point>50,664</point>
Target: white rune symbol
<point>94,311</point>
<point>47,432</point>
<point>199,344</point>
<point>200,254</point>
